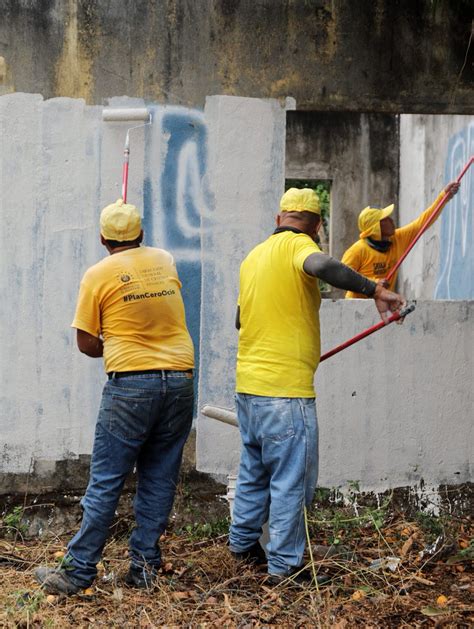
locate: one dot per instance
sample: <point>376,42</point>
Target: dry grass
<point>202,586</point>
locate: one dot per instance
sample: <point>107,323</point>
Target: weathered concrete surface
<point>433,152</point>
<point>209,186</point>
<point>328,54</point>
<point>358,153</point>
<point>59,165</point>
<point>246,138</point>
<point>394,410</point>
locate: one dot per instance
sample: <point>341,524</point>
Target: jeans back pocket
<point>275,418</point>
<point>129,416</point>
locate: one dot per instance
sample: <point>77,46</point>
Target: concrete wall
<point>208,184</point>
<point>433,151</point>
<point>357,152</point>
<point>394,410</point>
<point>328,54</point>
<point>247,163</point>
<point>59,165</point>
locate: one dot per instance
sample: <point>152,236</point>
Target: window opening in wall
<point>322,187</point>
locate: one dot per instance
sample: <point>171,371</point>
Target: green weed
<point>205,530</point>
<point>13,521</point>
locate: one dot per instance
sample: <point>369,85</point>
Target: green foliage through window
<point>322,188</point>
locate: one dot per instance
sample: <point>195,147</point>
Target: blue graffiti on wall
<point>176,198</point>
<point>456,269</point>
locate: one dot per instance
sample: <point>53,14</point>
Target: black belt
<point>144,372</point>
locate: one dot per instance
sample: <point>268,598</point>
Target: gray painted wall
<point>208,185</point>
<point>247,163</point>
<point>394,410</point>
<point>59,165</point>
<point>328,54</point>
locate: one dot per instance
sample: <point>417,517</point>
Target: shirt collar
<point>379,245</point>
<point>295,230</point>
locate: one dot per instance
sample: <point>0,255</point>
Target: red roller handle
<point>126,154</point>
<point>381,324</point>
<point>426,224</point>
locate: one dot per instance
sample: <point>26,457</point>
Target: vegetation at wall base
<point>387,569</point>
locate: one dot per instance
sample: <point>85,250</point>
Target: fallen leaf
<point>181,596</point>
<point>358,595</point>
<point>88,592</point>
<point>434,611</point>
<point>441,601</point>
<point>211,600</point>
<point>227,603</point>
<point>407,546</point>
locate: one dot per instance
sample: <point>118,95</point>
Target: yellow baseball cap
<point>120,221</point>
<point>369,221</point>
<point>300,200</point>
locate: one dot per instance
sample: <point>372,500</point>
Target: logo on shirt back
<point>162,293</point>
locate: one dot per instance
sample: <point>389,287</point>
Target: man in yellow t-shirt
<point>130,311</point>
<point>278,353</point>
<point>381,245</point>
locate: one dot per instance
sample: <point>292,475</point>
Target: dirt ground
<point>389,570</point>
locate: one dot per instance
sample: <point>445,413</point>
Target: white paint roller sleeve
<point>224,415</point>
<point>125,115</point>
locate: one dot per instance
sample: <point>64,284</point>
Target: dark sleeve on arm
<point>337,274</point>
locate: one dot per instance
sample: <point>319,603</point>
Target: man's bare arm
<point>89,344</point>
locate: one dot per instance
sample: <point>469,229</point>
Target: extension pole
<point>378,326</point>
<point>397,315</point>
<point>126,159</point>
<point>426,224</point>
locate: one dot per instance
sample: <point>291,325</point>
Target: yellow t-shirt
<point>279,341</point>
<point>377,264</point>
<point>133,300</point>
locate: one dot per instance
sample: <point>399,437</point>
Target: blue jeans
<point>144,421</point>
<point>277,476</point>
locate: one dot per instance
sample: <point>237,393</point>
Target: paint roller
<point>224,415</point>
<point>142,114</point>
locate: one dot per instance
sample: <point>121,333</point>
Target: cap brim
<point>387,211</point>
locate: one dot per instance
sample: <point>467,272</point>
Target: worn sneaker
<point>55,581</point>
<point>141,577</point>
<point>298,577</point>
<point>253,555</point>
